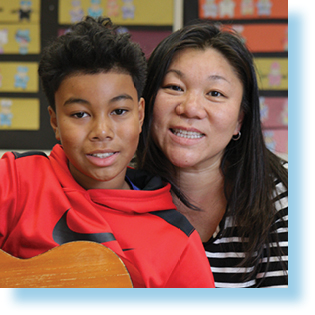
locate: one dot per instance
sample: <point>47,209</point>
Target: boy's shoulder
<point>18,155</point>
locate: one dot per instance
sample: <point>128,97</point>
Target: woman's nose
<point>192,106</point>
<point>101,130</point>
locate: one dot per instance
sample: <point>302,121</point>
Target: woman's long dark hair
<point>249,168</point>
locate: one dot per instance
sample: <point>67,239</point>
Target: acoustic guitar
<point>80,264</point>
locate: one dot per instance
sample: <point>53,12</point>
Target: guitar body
<point>81,264</point>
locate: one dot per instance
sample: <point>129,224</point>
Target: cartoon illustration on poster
<point>264,110</point>
<point>19,114</point>
<point>210,9</point>
<point>227,8</point>
<point>23,39</point>
<point>128,9</point>
<point>274,75</point>
<point>76,12</point>
<point>95,10</point>
<point>3,39</point>
<point>112,8</point>
<point>24,11</point>
<point>5,113</point>
<point>21,77</point>
<point>264,7</point>
<point>270,140</point>
<point>284,114</point>
<point>247,7</point>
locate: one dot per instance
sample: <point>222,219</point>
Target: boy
<point>93,79</point>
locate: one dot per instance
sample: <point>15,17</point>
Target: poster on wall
<point>19,114</point>
<point>274,112</point>
<point>121,12</point>
<point>272,73</point>
<point>263,37</point>
<point>17,11</point>
<point>18,77</point>
<point>276,140</point>
<point>19,39</point>
<point>243,9</point>
<point>274,118</point>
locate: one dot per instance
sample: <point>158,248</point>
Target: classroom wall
<point>27,26</point>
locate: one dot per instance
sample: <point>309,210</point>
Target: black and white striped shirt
<point>225,254</point>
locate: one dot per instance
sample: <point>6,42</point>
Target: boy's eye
<point>119,111</point>
<point>80,115</point>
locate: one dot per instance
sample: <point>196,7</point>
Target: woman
<point>202,133</point>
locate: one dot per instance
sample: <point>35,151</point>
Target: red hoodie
<point>42,206</point>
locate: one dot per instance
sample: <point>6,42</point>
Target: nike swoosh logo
<point>63,234</point>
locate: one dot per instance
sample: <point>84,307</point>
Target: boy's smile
<point>98,120</point>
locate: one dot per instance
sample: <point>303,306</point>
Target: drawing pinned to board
<point>19,114</point>
<point>128,9</point>
<point>122,12</point>
<point>247,7</point>
<point>3,39</point>
<point>21,77</point>
<point>270,140</point>
<point>20,39</point>
<point>23,39</point>
<point>6,113</point>
<point>95,10</point>
<point>112,8</point>
<point>226,8</point>
<point>242,9</point>
<point>23,12</point>
<point>274,112</point>
<point>76,12</point>
<point>272,73</point>
<point>264,7</point>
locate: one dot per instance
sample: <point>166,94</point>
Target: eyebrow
<point>213,77</point>
<point>117,98</point>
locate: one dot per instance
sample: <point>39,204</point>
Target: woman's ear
<point>53,122</point>
<point>239,122</point>
<point>141,106</point>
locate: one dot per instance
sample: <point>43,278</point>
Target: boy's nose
<point>101,130</point>
<point>192,106</point>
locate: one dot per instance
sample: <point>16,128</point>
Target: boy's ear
<point>53,122</point>
<point>141,106</point>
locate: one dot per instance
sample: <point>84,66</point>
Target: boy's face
<point>98,120</point>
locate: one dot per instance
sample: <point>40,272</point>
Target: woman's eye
<point>174,88</point>
<point>80,115</point>
<point>119,111</point>
<point>215,93</point>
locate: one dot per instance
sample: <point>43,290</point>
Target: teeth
<point>187,134</point>
<point>102,155</point>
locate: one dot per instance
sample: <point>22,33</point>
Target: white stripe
<point>231,269</point>
<point>274,259</point>
<point>277,273</point>
<point>234,239</point>
<point>235,285</point>
<point>277,286</point>
<point>225,255</point>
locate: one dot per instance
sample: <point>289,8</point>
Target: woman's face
<point>197,109</point>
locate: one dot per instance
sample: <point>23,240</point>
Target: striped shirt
<point>225,254</point>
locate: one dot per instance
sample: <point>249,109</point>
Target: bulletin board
<point>26,27</point>
<point>243,9</point>
<point>16,11</point>
<point>263,25</point>
<point>122,12</point>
